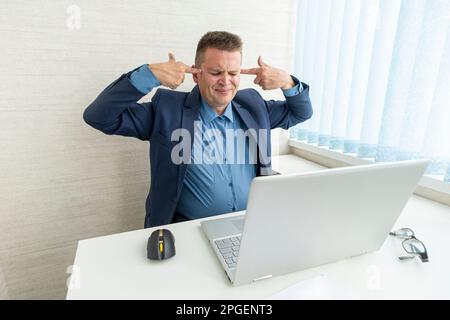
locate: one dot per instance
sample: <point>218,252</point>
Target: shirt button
<point>234,209</point>
<point>230,184</point>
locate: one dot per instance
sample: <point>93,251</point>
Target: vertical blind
<point>379,72</point>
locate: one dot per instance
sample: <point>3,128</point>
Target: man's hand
<point>268,77</point>
<point>171,73</point>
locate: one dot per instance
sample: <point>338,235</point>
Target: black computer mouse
<point>161,245</point>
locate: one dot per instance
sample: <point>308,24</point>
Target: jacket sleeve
<point>116,111</point>
<point>292,111</point>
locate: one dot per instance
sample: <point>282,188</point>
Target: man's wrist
<point>144,79</point>
<point>295,90</point>
<point>151,67</point>
<point>289,85</point>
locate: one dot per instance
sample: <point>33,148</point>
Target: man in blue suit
<point>206,145</point>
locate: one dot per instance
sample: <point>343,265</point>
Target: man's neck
<point>218,110</point>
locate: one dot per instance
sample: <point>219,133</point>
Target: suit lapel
<point>190,114</point>
<point>191,110</point>
<point>245,116</point>
<point>254,133</point>
<point>248,120</point>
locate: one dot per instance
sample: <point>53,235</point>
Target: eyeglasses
<point>411,244</point>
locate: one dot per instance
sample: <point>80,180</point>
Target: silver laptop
<point>299,221</point>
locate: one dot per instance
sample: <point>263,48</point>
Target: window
<point>379,72</point>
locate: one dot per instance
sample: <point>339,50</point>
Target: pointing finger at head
<point>254,71</point>
<point>192,70</point>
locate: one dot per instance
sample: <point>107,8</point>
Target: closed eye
<point>219,73</point>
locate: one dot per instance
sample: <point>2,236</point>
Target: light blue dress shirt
<point>220,181</point>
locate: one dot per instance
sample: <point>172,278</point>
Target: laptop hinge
<point>263,277</point>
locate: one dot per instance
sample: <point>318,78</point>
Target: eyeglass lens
<point>414,246</point>
<point>404,233</point>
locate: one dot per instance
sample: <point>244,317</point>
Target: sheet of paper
<point>317,288</point>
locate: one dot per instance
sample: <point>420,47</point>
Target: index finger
<point>251,71</point>
<point>192,70</point>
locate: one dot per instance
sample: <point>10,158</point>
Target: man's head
<point>219,56</point>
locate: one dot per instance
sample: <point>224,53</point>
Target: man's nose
<point>225,79</point>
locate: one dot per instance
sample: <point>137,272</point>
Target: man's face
<point>219,80</point>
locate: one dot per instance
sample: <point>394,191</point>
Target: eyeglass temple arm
<point>423,257</point>
<point>406,257</point>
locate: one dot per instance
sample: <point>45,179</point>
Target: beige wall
<point>62,181</point>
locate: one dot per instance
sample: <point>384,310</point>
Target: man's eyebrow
<point>220,70</point>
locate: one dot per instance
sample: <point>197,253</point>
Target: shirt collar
<point>209,114</point>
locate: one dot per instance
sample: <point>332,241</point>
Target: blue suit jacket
<point>116,111</point>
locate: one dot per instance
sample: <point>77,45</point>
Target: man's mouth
<point>223,91</point>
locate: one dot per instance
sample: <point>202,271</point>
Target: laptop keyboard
<point>229,249</point>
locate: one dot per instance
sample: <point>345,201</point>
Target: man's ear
<point>195,75</point>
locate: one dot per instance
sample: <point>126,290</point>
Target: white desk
<point>116,267</point>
